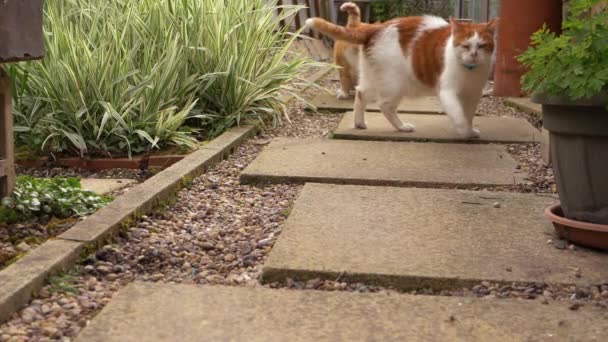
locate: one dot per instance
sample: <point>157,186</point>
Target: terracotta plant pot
<point>579,144</point>
<point>582,233</point>
<point>21,35</point>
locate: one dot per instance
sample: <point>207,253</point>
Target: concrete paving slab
<point>439,128</point>
<point>383,163</point>
<point>105,186</point>
<point>170,312</point>
<point>329,101</point>
<point>418,238</point>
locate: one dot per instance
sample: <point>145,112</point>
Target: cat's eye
<point>466,46</point>
<point>481,46</point>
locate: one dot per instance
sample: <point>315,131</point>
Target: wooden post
<point>7,155</point>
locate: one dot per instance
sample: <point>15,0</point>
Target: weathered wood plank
<point>7,180</point>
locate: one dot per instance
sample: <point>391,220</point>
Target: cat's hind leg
<point>453,106</point>
<point>360,105</point>
<point>347,84</point>
<point>388,106</point>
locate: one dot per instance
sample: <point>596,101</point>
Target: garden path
<point>368,224</point>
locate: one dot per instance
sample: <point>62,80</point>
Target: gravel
<point>578,296</point>
<point>48,172</point>
<point>496,106</point>
<point>219,231</point>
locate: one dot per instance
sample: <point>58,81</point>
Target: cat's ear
<point>455,24</point>
<point>492,25</point>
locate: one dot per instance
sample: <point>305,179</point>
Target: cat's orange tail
<point>358,35</point>
<point>354,14</point>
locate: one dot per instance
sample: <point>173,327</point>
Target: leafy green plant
<point>575,63</point>
<point>129,76</point>
<point>49,197</point>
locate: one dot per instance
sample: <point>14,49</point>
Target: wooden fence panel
<point>7,156</point>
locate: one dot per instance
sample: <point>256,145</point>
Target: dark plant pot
<point>579,150</point>
<point>21,35</point>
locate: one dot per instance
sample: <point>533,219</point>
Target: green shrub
<point>128,76</point>
<point>55,197</point>
<point>575,63</point>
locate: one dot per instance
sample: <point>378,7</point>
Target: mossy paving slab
<point>171,312</point>
<point>383,163</point>
<point>327,101</point>
<point>416,238</point>
<point>439,128</point>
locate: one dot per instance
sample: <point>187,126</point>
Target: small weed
<point>65,282</point>
<point>286,212</point>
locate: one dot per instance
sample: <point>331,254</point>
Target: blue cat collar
<point>470,66</point>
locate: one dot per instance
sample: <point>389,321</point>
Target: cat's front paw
<point>475,133</point>
<point>406,127</point>
<point>361,125</point>
<point>471,133</point>
<point>342,95</point>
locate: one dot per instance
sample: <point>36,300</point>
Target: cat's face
<point>474,43</point>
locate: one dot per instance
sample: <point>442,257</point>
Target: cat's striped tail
<point>359,35</point>
<point>354,14</point>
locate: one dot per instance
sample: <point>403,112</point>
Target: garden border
<point>22,279</point>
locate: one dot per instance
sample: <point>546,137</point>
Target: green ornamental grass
<point>125,77</point>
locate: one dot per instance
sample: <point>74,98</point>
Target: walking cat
<point>419,56</point>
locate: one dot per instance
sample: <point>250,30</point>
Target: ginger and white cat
<point>419,56</point>
<point>346,55</point>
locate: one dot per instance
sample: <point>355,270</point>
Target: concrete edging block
<point>27,275</point>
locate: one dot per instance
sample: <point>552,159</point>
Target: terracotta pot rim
<point>550,213</point>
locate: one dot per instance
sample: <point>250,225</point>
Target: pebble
<point>229,257</point>
<point>560,244</point>
<point>28,315</point>
<point>263,243</point>
<point>45,309</point>
<point>157,276</point>
<point>51,332</point>
<point>112,276</point>
<point>103,269</point>
<point>207,246</point>
<point>496,204</point>
<point>91,283</point>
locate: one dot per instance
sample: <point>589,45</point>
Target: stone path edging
<point>19,281</point>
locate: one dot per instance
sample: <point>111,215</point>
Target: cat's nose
<point>474,54</point>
